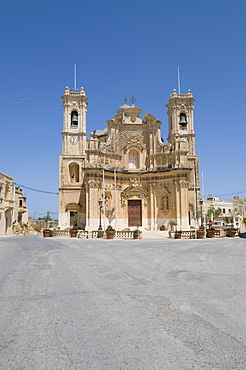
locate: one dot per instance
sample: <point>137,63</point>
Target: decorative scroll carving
<point>149,118</point>
<point>166,148</point>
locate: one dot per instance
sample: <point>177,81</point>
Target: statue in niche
<point>164,203</point>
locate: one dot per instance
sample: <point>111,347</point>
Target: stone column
<point>177,202</point>
<point>184,219</point>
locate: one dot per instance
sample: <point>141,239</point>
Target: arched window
<point>74,119</point>
<point>133,159</point>
<point>74,172</point>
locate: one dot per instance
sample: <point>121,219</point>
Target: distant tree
<point>213,212</point>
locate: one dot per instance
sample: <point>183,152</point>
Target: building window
<point>133,159</point>
<point>74,172</point>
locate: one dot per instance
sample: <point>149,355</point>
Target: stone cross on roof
<point>133,100</point>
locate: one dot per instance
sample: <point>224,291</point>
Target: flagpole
<point>115,200</point>
<point>178,80</point>
<point>75,77</point>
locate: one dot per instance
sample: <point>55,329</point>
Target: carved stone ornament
<point>166,147</point>
<point>133,137</point>
<point>184,184</point>
<point>95,184</point>
<point>133,117</point>
<point>181,183</point>
<point>105,148</point>
<point>134,191</point>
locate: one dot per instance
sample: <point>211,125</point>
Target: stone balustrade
<point>93,234</point>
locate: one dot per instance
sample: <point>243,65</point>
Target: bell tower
<point>74,121</point>
<point>181,136</point>
<point>72,159</point>
<point>180,119</point>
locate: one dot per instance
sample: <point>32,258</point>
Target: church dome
<point>123,108</point>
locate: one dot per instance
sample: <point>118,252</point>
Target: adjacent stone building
<point>21,211</point>
<point>128,166</point>
<point>7,196</point>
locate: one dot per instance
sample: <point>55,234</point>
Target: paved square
<point>115,304</point>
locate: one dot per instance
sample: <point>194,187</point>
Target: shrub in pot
<point>200,234</point>
<point>110,232</point>
<point>178,234</point>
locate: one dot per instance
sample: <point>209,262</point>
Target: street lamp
<point>100,202</point>
<point>203,215</point>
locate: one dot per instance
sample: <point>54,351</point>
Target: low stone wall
<point>190,234</point>
<point>94,234</point>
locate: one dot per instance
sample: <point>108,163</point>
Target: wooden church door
<point>134,212</point>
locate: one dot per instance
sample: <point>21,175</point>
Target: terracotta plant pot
<point>110,234</point>
<point>73,233</point>
<point>135,236</point>
<point>232,233</point>
<point>210,233</point>
<point>162,228</point>
<point>46,233</point>
<point>200,234</point>
<point>178,236</point>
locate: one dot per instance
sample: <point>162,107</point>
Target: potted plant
<point>200,234</point>
<point>110,214</point>
<point>231,232</point>
<point>210,232</point>
<point>73,232</point>
<point>136,234</point>
<point>110,232</point>
<point>178,234</point>
<point>46,233</point>
<point>162,228</point>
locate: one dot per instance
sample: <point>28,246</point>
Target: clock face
<point>74,140</point>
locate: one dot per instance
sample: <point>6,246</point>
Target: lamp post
<point>203,216</point>
<point>100,202</point>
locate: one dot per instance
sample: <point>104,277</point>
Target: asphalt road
<point>114,304</point>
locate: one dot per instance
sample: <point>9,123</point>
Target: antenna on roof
<point>178,80</point>
<point>75,77</point>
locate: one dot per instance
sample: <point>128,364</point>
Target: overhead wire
<point>40,191</point>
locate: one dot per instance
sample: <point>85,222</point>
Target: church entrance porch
<point>134,212</point>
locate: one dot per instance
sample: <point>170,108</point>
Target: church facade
<point>128,167</point>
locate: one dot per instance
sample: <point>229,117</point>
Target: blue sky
<point>121,48</point>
